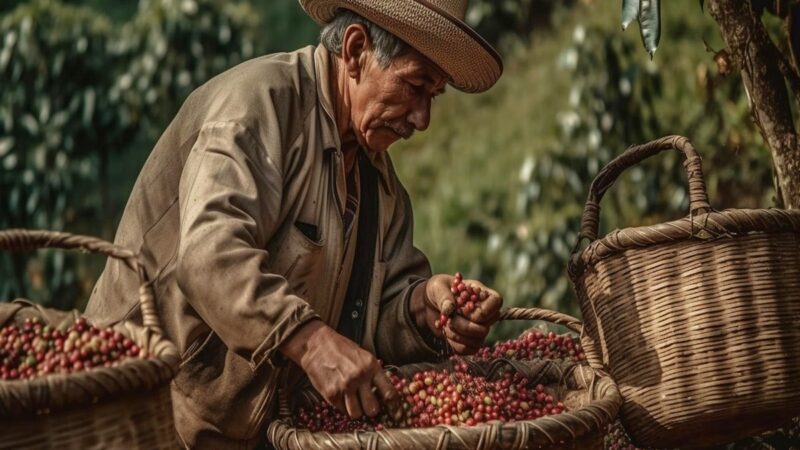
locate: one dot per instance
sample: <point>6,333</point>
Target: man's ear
<point>355,44</point>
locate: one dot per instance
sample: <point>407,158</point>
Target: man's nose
<point>420,115</point>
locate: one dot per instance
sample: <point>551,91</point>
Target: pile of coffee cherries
<point>35,349</point>
<point>446,397</point>
<point>467,298</point>
<point>536,345</point>
<point>617,439</point>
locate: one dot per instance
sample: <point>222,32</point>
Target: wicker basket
<point>593,401</point>
<point>697,320</point>
<point>127,406</point>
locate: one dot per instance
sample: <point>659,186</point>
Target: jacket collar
<point>330,134</point>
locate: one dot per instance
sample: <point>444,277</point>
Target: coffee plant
<point>173,46</point>
<point>55,122</point>
<point>512,19</point>
<point>78,93</point>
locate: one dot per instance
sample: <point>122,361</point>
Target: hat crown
<point>456,8</point>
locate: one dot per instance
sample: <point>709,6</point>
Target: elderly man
<point>276,232</point>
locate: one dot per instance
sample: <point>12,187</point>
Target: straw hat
<point>435,28</point>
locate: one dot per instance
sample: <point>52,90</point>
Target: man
<point>276,232</point>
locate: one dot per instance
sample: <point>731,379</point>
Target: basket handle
<point>698,196</point>
<point>25,240</point>
<point>542,314</point>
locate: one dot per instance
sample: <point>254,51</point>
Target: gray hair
<point>385,45</point>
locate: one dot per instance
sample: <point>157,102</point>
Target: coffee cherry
<point>536,345</point>
<point>34,349</point>
<point>617,439</point>
<point>467,299</point>
<point>450,397</point>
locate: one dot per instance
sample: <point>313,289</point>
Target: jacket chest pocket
<point>299,259</point>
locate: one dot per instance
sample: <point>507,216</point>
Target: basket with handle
<point>124,406</point>
<point>698,319</point>
<point>592,401</point>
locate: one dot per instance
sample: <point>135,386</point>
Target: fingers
<point>462,344</point>
<point>462,349</point>
<point>337,402</point>
<point>388,395</point>
<point>468,328</point>
<point>489,309</point>
<point>353,405</point>
<point>368,401</point>
<point>447,306</point>
<point>363,400</point>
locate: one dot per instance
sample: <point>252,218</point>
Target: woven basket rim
<point>579,422</point>
<point>55,392</point>
<point>714,225</point>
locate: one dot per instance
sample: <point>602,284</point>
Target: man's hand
<point>341,371</point>
<point>464,334</point>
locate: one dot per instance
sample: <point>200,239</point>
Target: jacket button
<point>359,303</point>
<point>354,315</point>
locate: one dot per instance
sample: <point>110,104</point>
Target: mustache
<point>403,129</point>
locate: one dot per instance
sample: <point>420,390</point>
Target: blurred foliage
<point>173,46</point>
<point>498,21</point>
<point>76,92</point>
<point>54,116</point>
<point>503,202</point>
<point>286,25</point>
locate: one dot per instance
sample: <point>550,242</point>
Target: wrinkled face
<point>391,103</point>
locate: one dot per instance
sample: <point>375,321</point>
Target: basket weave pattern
<point>127,406</point>
<point>698,319</point>
<point>116,423</point>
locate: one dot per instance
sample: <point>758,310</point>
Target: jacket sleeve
<point>397,339</point>
<point>230,197</point>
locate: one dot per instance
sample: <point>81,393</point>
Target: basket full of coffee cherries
<point>67,383</point>
<point>530,392</point>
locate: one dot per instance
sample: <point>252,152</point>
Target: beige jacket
<point>250,154</point>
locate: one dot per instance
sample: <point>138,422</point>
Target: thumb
<point>439,296</point>
<point>448,307</point>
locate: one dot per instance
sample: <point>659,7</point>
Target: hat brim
<point>470,62</point>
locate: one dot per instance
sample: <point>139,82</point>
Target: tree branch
<point>759,60</point>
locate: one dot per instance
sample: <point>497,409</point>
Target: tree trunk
<point>758,59</point>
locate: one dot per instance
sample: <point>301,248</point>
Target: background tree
<point>766,70</point>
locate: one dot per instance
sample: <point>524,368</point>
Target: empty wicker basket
<point>592,400</point>
<point>697,320</point>
<point>127,406</point>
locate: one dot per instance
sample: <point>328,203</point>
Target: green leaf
<point>630,9</point>
<point>650,24</point>
<point>6,144</point>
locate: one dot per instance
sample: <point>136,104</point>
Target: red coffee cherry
<point>34,349</point>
